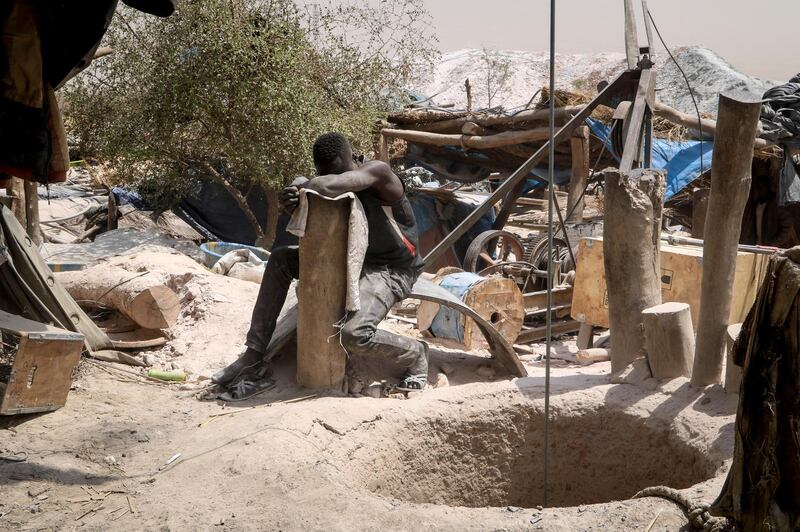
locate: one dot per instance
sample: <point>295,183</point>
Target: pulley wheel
<point>493,247</point>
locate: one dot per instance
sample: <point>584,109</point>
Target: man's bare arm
<point>376,175</point>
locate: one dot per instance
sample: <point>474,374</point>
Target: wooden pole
<point>699,211</point>
<point>321,293</point>
<point>16,190</point>
<point>580,173</point>
<point>32,211</point>
<point>730,185</point>
<point>631,234</point>
<point>669,339</point>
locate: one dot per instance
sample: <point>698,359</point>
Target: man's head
<point>333,154</point>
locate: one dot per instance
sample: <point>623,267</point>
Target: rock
<point>148,359</point>
<point>110,460</point>
<point>441,381</point>
<point>397,396</point>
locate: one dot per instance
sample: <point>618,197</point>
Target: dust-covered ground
<point>466,455</point>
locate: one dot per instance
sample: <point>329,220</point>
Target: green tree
<point>237,90</point>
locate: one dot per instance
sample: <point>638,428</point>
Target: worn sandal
<point>247,388</point>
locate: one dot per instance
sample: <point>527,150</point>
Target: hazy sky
<point>760,38</point>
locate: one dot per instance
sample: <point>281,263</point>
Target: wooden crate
<point>41,372</point>
<point>681,274</point>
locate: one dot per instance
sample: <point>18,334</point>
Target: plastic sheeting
<point>681,159</point>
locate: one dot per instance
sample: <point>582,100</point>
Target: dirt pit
<point>496,458</point>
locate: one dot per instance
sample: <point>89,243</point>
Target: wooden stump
<point>669,339</point>
<point>730,184</point>
<point>321,294</point>
<point>631,235</point>
<point>144,300</point>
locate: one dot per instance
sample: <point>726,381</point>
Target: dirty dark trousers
<point>379,289</point>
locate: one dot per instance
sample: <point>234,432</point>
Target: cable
<point>688,86</point>
<point>550,198</point>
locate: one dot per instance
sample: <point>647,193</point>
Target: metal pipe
<point>686,241</point>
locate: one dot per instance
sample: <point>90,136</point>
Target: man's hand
<point>290,195</point>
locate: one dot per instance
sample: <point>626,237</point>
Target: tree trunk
<point>273,211</point>
<point>150,304</point>
<point>669,337</point>
<point>730,185</point>
<point>239,197</point>
<point>632,230</point>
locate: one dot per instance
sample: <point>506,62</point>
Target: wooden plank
<point>32,211</point>
<point>631,36</point>
<point>534,301</point>
<point>534,334</point>
<point>681,273</point>
<point>321,294</point>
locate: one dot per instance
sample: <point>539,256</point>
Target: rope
<point>698,514</point>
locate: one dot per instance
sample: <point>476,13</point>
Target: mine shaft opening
<point>495,459</point>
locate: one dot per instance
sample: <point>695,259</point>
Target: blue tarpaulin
<point>681,159</point>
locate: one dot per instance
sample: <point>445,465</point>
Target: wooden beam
<point>730,186</point>
<point>631,36</point>
<point>485,120</point>
<point>580,173</point>
<point>534,334</point>
<point>705,128</point>
<point>478,142</point>
<point>633,140</point>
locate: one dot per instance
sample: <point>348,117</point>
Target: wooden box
<point>681,274</point>
<point>41,371</point>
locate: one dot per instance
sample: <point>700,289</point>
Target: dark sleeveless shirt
<point>393,239</point>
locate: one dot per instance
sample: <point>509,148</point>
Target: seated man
<point>391,266</point>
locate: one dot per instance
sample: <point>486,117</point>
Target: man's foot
<point>247,363</point>
<point>416,377</point>
<point>246,388</point>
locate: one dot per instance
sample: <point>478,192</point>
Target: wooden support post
<point>632,229</point>
<point>669,338</point>
<point>699,211</point>
<point>733,373</point>
<point>580,173</point>
<point>730,185</point>
<point>321,293</point>
<point>32,211</point>
<point>16,190</point>
<point>585,336</point>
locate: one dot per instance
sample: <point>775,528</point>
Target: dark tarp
<point>762,491</point>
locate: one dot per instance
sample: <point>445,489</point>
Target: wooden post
<point>669,338</point>
<point>631,235</point>
<point>321,359</point>
<point>730,185</point>
<point>699,211</point>
<point>32,211</point>
<point>16,190</point>
<point>579,145</point>
<point>733,373</point>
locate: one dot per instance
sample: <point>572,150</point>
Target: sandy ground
<point>333,462</point>
<point>464,456</point>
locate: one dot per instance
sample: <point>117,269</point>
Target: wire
<point>688,86</point>
<point>550,198</point>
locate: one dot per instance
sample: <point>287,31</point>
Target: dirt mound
<point>528,72</point>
